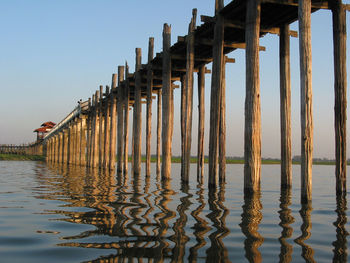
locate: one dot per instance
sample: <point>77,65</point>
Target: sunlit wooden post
<point>100,128</point>
<point>285,108</point>
<point>88,133</point>
<point>113,129</point>
<point>137,115</point>
<point>126,119</point>
<point>201,121</point>
<point>167,107</point>
<point>120,107</point>
<point>95,131</point>
<point>159,127</point>
<point>188,98</point>
<point>340,86</point>
<point>252,129</point>
<point>106,134</point>
<point>149,105</point>
<point>222,126</point>
<point>215,96</point>
<point>78,140</point>
<point>83,135</point>
<point>304,14</point>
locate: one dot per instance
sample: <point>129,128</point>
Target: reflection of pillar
<point>307,251</point>
<point>286,220</point>
<point>340,244</point>
<point>251,218</point>
<point>304,13</point>
<point>252,129</point>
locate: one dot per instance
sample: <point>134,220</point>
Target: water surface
<point>69,214</point>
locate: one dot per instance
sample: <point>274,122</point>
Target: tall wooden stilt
<point>167,107</point>
<point>126,120</point>
<point>285,108</point>
<point>183,120</point>
<point>216,91</point>
<point>107,123</point>
<point>78,140</point>
<point>149,106</point>
<point>222,127</point>
<point>189,97</point>
<point>95,156</point>
<point>83,141</point>
<point>159,127</point>
<point>100,128</point>
<point>340,86</point>
<point>113,129</point>
<point>201,121</point>
<point>137,115</point>
<point>304,13</point>
<point>88,133</point>
<point>120,107</point>
<point>252,131</point>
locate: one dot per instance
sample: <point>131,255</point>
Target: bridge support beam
<point>304,14</point>
<point>201,121</point>
<point>113,119</point>
<point>159,128</point>
<point>126,120</point>
<point>285,108</point>
<point>149,105</point>
<point>167,98</point>
<point>120,106</point>
<point>252,128</point>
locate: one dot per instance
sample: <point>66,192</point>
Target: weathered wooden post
<point>304,14</point>
<point>106,134</point>
<point>159,127</point>
<point>71,143</point>
<point>167,107</point>
<point>285,108</point>
<point>61,147</point>
<point>78,140</point>
<point>222,126</point>
<point>88,133</point>
<point>113,130</point>
<point>137,115</point>
<point>65,146</point>
<point>188,99</point>
<point>95,156</point>
<point>201,121</point>
<point>252,129</point>
<point>83,135</point>
<point>120,107</point>
<point>215,96</point>
<point>340,86</point>
<point>126,119</point>
<point>149,105</point>
<point>100,128</point>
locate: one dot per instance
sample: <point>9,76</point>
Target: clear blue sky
<point>54,53</point>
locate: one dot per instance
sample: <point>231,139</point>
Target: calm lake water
<point>59,214</point>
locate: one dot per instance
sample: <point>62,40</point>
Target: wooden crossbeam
<point>180,57</point>
<point>241,25</point>
<point>229,60</point>
<point>209,42</point>
<point>320,5</point>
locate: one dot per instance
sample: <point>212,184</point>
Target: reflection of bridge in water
<point>148,219</point>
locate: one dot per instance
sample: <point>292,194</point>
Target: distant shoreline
<point>16,157</point>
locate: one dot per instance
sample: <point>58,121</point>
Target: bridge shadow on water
<point>146,219</point>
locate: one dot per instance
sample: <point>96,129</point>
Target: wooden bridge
<point>97,130</point>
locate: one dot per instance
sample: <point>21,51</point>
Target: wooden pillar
<point>113,129</point>
<point>222,126</point>
<point>71,144</point>
<point>183,120</point>
<point>188,98</point>
<point>167,107</point>
<point>340,86</point>
<point>252,131</point>
<point>120,107</point>
<point>61,147</point>
<point>126,120</point>
<point>137,115</point>
<point>106,134</point>
<point>83,135</point>
<point>56,149</point>
<point>149,105</point>
<point>100,128</point>
<point>88,133</point>
<point>95,156</point>
<point>216,91</point>
<point>285,108</point>
<point>77,140</point>
<point>304,13</point>
<point>65,146</point>
<point>159,127</point>
<point>201,121</point>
